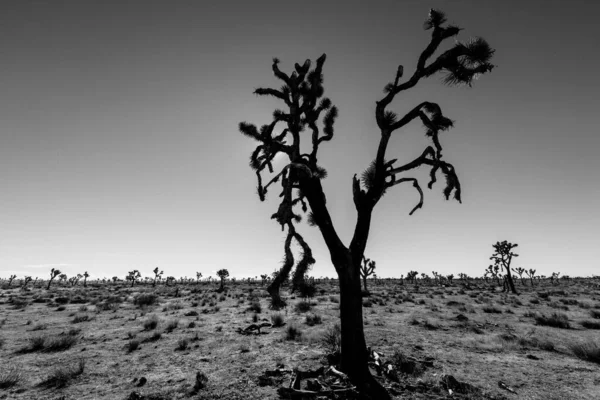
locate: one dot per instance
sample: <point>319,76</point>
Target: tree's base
<point>370,388</point>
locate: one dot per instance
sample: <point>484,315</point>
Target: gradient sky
<point>119,146</point>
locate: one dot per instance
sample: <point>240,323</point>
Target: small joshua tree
<point>310,117</point>
<point>366,269</point>
<point>520,271</point>
<point>157,276</point>
<point>494,272</point>
<point>115,279</point>
<point>222,274</point>
<point>133,276</point>
<point>502,257</point>
<point>198,276</point>
<point>26,281</point>
<point>11,279</point>
<point>412,276</point>
<point>169,280</point>
<point>263,279</point>
<point>53,274</point>
<point>85,276</point>
<point>63,278</point>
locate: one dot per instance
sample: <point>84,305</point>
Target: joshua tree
<point>133,276</point>
<point>494,272</point>
<point>11,279</point>
<point>263,279</point>
<point>301,178</point>
<point>554,277</point>
<point>53,274</point>
<point>412,276</point>
<point>62,278</point>
<point>520,271</point>
<point>169,280</point>
<point>26,281</point>
<point>502,257</point>
<point>198,276</point>
<point>157,276</point>
<point>367,269</point>
<point>85,276</point>
<point>115,279</point>
<point>449,278</point>
<point>463,277</point>
<point>222,274</point>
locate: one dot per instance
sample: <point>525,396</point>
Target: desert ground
<point>113,341</point>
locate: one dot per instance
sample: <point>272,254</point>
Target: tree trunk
<point>354,354</point>
<point>365,283</point>
<point>511,284</point>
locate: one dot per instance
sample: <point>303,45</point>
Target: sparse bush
<point>588,351</point>
<point>182,344</point>
<point>591,324</point>
<point>145,299</point>
<point>555,320</point>
<point>255,307</point>
<point>81,318</point>
<point>132,345</point>
<point>63,374</point>
<point>172,325</point>
<point>302,306</point>
<point>313,319</point>
<point>492,310</point>
<point>595,314</point>
<point>293,333</point>
<point>151,323</point>
<point>153,338</point>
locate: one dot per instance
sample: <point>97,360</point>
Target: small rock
<point>142,381</point>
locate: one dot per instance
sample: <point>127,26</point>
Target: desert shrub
<point>367,303</point>
<point>595,314</point>
<point>293,333</point>
<point>49,343</point>
<point>39,327</point>
<point>19,303</point>
<point>83,308</point>
<point>153,338</point>
<point>569,302</point>
<point>132,345</point>
<point>302,306</point>
<point>151,323</point>
<point>332,339</point>
<point>588,351</point>
<point>62,375</point>
<point>182,344</point>
<point>432,326</point>
<point>10,377</point>
<point>145,299</point>
<point>534,301</point>
<point>255,307</point>
<point>492,310</point>
<point>591,324</point>
<point>81,318</point>
<point>62,300</point>
<point>406,365</point>
<point>277,320</point>
<point>200,382</point>
<point>555,320</point>
<point>192,313</point>
<point>172,325</point>
<point>313,319</point>
<point>543,295</point>
<point>555,304</point>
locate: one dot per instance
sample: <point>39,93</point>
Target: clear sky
<point>119,146</point>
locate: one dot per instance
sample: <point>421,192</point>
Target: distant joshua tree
<point>263,278</point>
<point>412,276</point>
<point>85,276</point>
<point>367,269</point>
<point>157,276</point>
<point>26,281</point>
<point>198,277</point>
<point>170,279</point>
<point>554,278</point>
<point>53,274</point>
<point>301,178</point>
<point>520,271</point>
<point>222,274</point>
<point>115,279</point>
<point>63,278</point>
<point>502,257</point>
<point>133,276</point>
<point>11,279</point>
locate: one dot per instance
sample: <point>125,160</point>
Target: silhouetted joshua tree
<point>222,274</point>
<point>367,269</point>
<point>26,281</point>
<point>85,276</point>
<point>133,276</point>
<point>53,274</point>
<point>520,271</point>
<point>300,179</point>
<point>502,257</point>
<point>11,279</point>
<point>198,276</point>
<point>157,275</point>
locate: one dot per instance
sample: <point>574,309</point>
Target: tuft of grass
<point>555,320</point>
<point>81,318</point>
<point>332,339</point>
<point>588,351</point>
<point>49,343</point>
<point>182,344</point>
<point>492,310</point>
<point>172,325</point>
<point>10,377</point>
<point>62,375</point>
<point>277,320</point>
